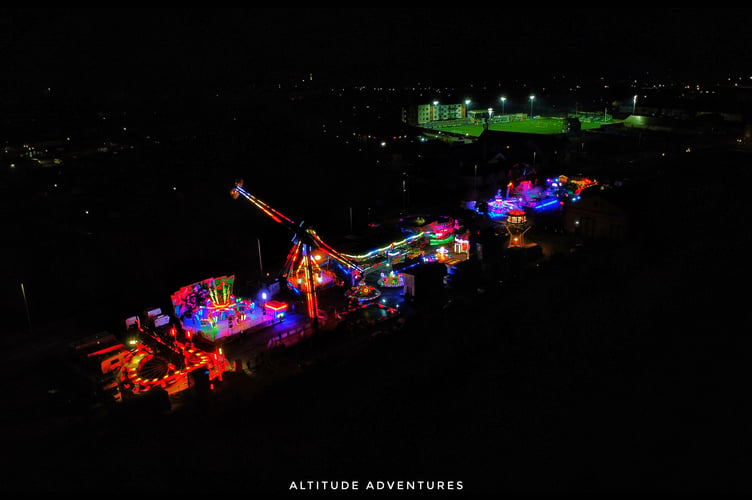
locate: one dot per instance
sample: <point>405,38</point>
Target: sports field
<point>524,125</point>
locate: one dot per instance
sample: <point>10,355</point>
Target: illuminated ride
<point>306,266</point>
<point>156,362</point>
<point>517,225</point>
<point>527,194</point>
<point>566,188</point>
<point>555,192</point>
<point>363,293</point>
<point>438,230</point>
<point>395,252</point>
<point>499,206</point>
<point>210,309</point>
<point>392,280</point>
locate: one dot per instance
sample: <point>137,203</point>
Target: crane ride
<point>311,262</point>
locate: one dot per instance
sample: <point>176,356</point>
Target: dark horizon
<point>177,49</point>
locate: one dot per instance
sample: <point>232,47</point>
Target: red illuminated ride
<point>167,363</point>
<point>303,269</point>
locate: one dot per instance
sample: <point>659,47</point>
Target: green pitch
<point>539,125</point>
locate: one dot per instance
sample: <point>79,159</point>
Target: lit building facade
<point>426,113</point>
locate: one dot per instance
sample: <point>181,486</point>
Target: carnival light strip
<point>377,251</point>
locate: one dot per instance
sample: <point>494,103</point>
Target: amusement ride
<point>304,270</point>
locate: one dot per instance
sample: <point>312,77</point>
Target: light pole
<point>26,304</point>
<point>475,181</point>
<point>634,103</point>
<point>404,192</point>
<point>532,98</point>
<point>467,106</point>
<point>503,101</point>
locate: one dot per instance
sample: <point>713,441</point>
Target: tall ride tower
<point>516,225</point>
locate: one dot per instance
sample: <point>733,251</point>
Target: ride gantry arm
<point>305,240</point>
<point>275,214</point>
<point>336,255</point>
<point>303,233</point>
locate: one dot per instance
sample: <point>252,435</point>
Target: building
<point>421,114</point>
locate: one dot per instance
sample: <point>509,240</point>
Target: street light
<point>435,111</point>
<point>404,191</point>
<point>634,103</point>
<point>503,101</point>
<point>532,98</point>
<point>475,181</point>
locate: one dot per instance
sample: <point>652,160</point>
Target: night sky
<point>158,48</point>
